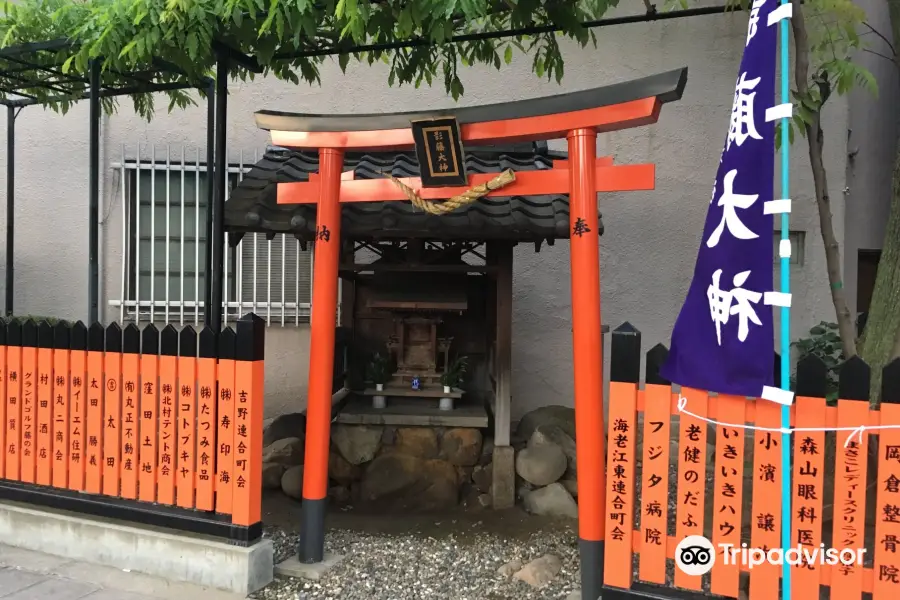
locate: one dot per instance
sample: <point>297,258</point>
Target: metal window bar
<point>169,293</point>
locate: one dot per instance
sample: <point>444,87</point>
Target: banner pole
<point>785,318</point>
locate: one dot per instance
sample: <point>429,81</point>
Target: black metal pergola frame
<point>25,64</point>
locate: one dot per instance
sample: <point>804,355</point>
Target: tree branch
<point>881,35</point>
<point>887,58</point>
<point>816,138</point>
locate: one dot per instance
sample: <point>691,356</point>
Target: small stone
<point>483,478</point>
<point>388,436</point>
<point>292,425</point>
<point>358,444</point>
<point>509,569</point>
<point>542,464</point>
<point>563,416</point>
<point>571,486</point>
<point>420,442</point>
<point>552,500</point>
<point>540,572</point>
<point>341,471</point>
<point>485,500</point>
<point>487,452</point>
<point>576,595</point>
<point>554,434</point>
<point>271,475</point>
<point>292,482</point>
<point>286,451</point>
<point>462,446</point>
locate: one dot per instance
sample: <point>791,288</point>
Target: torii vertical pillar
<point>588,357</point>
<point>321,356</point>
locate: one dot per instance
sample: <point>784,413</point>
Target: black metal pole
<point>218,204</point>
<point>10,205</point>
<point>94,205</point>
<point>210,178</point>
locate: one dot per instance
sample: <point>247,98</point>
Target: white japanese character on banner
<point>737,301</point>
<point>742,125</point>
<point>729,201</point>
<point>715,181</point>
<point>754,20</point>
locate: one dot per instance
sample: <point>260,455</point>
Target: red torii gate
<point>578,117</point>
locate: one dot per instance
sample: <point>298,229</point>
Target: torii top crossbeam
<point>619,106</point>
<point>439,138</point>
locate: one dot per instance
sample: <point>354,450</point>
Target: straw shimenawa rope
<point>439,208</point>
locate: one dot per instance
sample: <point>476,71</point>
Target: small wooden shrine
<point>421,288</point>
<point>420,347</point>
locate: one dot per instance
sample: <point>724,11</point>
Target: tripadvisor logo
<point>696,555</point>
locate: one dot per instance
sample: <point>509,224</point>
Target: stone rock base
<point>404,468</point>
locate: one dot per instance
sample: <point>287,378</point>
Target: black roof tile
<point>252,205</point>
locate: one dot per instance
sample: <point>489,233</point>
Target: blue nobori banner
<point>723,340</point>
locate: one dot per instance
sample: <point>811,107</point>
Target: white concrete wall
<point>647,253</point>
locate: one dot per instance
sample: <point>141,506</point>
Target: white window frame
<point>273,297</point>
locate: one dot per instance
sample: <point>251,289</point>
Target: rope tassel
<point>468,197</point>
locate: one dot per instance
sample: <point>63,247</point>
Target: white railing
<point>163,198</point>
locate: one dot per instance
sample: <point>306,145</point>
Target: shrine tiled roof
<point>252,205</point>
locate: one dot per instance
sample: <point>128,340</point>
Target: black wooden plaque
<point>440,152</point>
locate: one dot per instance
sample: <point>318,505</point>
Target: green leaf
<point>192,44</point>
<point>508,55</point>
<point>128,47</point>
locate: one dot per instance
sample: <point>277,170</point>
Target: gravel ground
<point>458,566</point>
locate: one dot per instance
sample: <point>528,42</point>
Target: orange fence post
<point>809,470</point>
<point>207,421</point>
<point>766,499</point>
<point>44,387</point>
<point>112,409</point>
<point>326,260</point>
<point>249,392</point>
<point>225,415</point>
<point>728,493</point>
<point>850,477</point>
<point>12,423</point>
<point>4,375</point>
<point>187,415</point>
<point>29,403</point>
<point>887,526</point>
<point>131,394</point>
<point>655,470</point>
<point>690,501</point>
<point>77,404</point>
<point>168,415</point>
<point>62,339</point>
<point>93,468</point>
<point>625,373</point>
<point>147,423</point>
